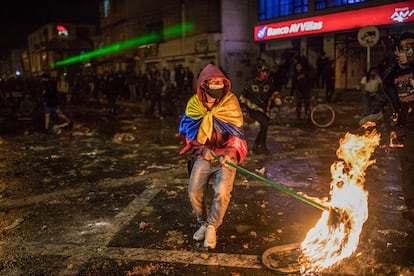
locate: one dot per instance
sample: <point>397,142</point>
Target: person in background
<point>156,94</point>
<point>398,80</point>
<point>301,90</point>
<point>371,84</point>
<point>132,81</point>
<point>112,89</point>
<point>188,82</point>
<point>51,101</point>
<point>322,66</point>
<point>257,98</point>
<point>63,90</point>
<point>179,78</point>
<point>212,125</point>
<point>278,76</point>
<point>330,82</point>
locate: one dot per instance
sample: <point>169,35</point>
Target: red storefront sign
<point>375,16</point>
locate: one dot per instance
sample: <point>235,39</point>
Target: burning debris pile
<point>336,235</point>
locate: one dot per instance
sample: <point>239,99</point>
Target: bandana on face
<point>262,75</point>
<point>215,93</point>
<point>215,90</point>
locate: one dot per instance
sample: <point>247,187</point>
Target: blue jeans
<point>223,185</point>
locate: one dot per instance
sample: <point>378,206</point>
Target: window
<point>82,33</point>
<point>269,9</point>
<point>323,4</point>
<point>106,8</point>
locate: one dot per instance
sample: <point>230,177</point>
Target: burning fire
<point>336,234</point>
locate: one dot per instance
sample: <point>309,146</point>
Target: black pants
<point>406,155</point>
<point>263,120</point>
<point>302,99</point>
<point>329,91</point>
<point>156,101</point>
<point>112,103</point>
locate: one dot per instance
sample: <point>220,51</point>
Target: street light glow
<point>142,40</point>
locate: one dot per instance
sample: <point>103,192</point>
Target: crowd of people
<point>161,90</point>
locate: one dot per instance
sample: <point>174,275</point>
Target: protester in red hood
<point>212,129</point>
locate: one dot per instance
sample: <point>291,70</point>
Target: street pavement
<point>110,198</point>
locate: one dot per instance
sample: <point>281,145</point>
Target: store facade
<point>354,40</point>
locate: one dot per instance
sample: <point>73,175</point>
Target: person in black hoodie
<point>398,81</point>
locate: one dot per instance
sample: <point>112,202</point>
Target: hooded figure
<point>212,125</point>
<point>213,118</point>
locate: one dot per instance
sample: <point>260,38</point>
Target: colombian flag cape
<point>226,117</point>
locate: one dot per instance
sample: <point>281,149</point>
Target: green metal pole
<point>278,186</point>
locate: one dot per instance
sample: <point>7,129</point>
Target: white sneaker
<point>200,233</point>
<point>210,237</point>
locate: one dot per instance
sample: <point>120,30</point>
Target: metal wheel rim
<point>26,107</point>
<point>322,107</point>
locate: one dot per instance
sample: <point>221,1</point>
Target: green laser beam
<point>142,40</point>
<point>278,186</point>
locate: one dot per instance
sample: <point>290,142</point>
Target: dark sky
<point>19,18</point>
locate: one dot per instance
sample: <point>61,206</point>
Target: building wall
<point>194,48</point>
<point>237,52</point>
<point>221,34</point>
<point>351,59</point>
<point>46,47</point>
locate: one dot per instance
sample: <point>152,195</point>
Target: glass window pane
<point>324,4</point>
<point>268,9</point>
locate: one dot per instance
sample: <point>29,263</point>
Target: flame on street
<point>336,235</point>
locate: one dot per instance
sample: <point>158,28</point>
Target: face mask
<point>215,93</point>
<point>262,75</point>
